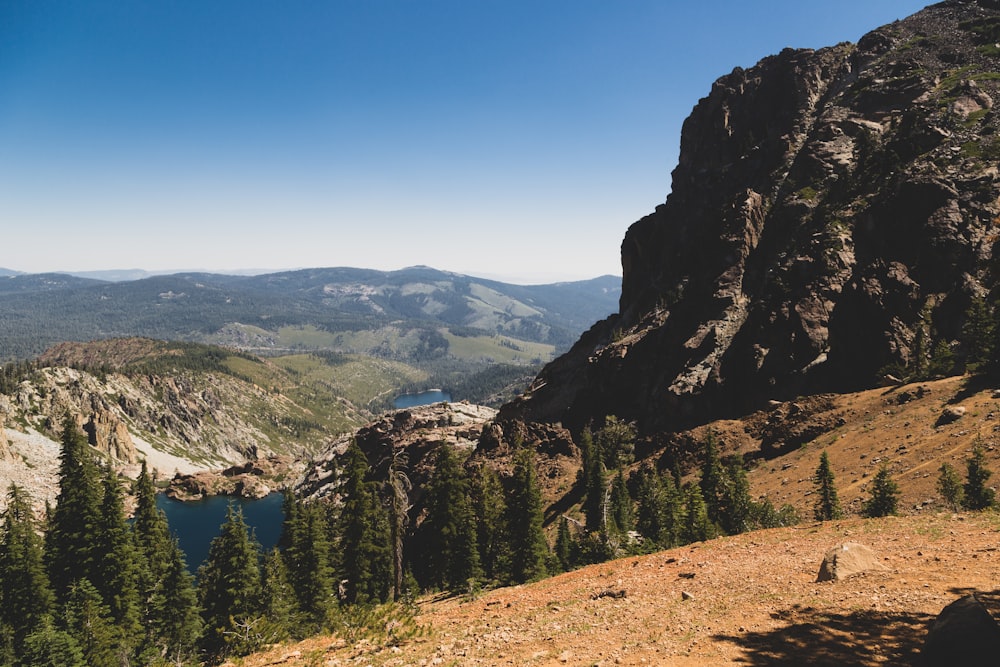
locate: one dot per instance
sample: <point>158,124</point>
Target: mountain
<point>281,311</point>
<point>833,215</point>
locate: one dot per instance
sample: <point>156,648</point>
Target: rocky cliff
<point>826,205</point>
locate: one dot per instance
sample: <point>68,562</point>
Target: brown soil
<point>750,599</point>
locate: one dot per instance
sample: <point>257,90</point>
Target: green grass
<point>492,348</point>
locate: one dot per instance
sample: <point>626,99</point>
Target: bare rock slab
<point>846,560</point>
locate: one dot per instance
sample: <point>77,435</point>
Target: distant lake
<point>423,398</point>
<point>197,523</point>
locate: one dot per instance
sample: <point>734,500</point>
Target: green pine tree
<point>306,562</point>
<point>650,519</point>
<point>977,496</point>
<point>564,545</point>
<point>738,517</point>
<point>229,587</point>
<point>713,481</point>
<point>89,622</point>
<point>673,511</point>
<point>621,513</point>
<point>74,525</point>
<point>529,550</point>
<point>364,539</point>
<point>490,509</point>
<point>26,599</point>
<point>116,571</point>
<point>449,530</point>
<point>278,601</point>
<point>175,616</point>
<point>698,527</point>
<point>949,485</point>
<point>977,334</point>
<point>884,495</point>
<point>827,504</point>
<point>48,646</point>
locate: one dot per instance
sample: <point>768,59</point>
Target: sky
<point>513,139</point>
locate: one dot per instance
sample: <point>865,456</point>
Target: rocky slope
<point>180,408</point>
<point>825,202</point>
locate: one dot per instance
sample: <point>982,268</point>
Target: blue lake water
<point>423,398</point>
<point>196,524</point>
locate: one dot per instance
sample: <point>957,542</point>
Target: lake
<point>422,398</point>
<point>196,524</point>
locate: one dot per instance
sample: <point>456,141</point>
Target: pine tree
<point>168,602</point>
<point>490,509</point>
<point>739,506</point>
<point>884,495</point>
<point>564,545</point>
<point>620,505</point>
<point>713,481</point>
<point>919,365</point>
<point>449,531</point>
<point>528,547</point>
<point>89,622</point>
<point>949,485</point>
<point>698,526</point>
<point>673,511</point>
<point>615,442</point>
<point>977,334</point>
<point>116,571</point>
<point>229,587</point>
<point>26,600</point>
<point>48,646</point>
<point>175,616</point>
<point>306,562</point>
<point>978,496</point>
<point>278,601</point>
<point>366,557</point>
<point>73,528</point>
<point>593,482</point>
<point>650,519</point>
<point>827,504</point>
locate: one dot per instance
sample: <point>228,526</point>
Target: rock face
<point>5,453</point>
<point>846,560</point>
<point>824,202</point>
<point>417,432</point>
<point>108,434</point>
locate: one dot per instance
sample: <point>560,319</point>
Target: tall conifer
<point>26,600</point>
<point>364,534</point>
<point>827,504</point>
<point>449,531</point>
<point>229,586</point>
<point>529,550</point>
<point>116,571</point>
<point>490,508</point>
<point>74,526</point>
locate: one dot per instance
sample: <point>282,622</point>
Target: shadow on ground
<point>814,637</point>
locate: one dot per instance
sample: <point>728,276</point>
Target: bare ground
<point>750,600</point>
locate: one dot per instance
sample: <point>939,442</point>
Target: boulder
<point>964,633</point>
<point>846,560</point>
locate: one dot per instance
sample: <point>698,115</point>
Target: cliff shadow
<point>811,636</point>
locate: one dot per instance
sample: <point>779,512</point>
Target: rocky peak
<point>821,202</point>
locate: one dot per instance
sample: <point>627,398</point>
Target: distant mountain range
<point>320,308</point>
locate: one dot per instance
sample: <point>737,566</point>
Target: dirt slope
<point>751,599</point>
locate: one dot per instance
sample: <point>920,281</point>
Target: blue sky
<point>509,139</point>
